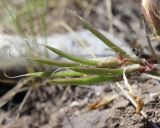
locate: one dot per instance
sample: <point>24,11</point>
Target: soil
<point>56,106</point>
<point>66,107</point>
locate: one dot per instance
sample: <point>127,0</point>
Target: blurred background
<point>46,17</point>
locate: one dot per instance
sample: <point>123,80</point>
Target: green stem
<point>106,71</point>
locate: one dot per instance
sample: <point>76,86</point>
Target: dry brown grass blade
<point>102,102</point>
<point>23,102</point>
<point>10,94</point>
<point>138,100</point>
<point>140,103</point>
<point>131,99</point>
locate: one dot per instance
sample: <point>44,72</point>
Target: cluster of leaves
<point>82,71</point>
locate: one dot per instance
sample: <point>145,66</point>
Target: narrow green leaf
<point>84,80</point>
<point>97,71</point>
<point>60,74</point>
<point>72,57</point>
<point>107,71</point>
<point>54,62</point>
<point>99,35</point>
<point>108,42</point>
<point>66,74</point>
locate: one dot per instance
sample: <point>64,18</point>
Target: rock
<point>69,42</point>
